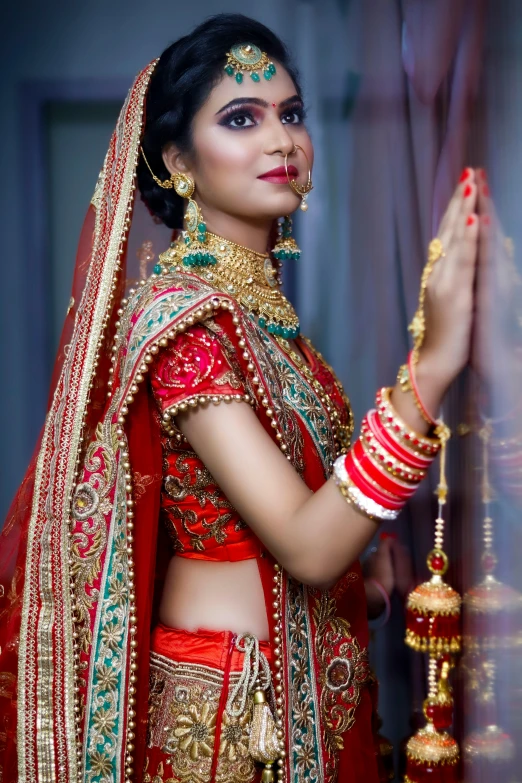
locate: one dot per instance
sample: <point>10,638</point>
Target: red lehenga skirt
<point>191,737</point>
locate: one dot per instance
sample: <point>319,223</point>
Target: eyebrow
<point>258,102</point>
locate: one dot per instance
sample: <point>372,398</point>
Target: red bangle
<point>386,441</point>
<point>382,478</point>
<point>415,389</point>
<point>380,496</point>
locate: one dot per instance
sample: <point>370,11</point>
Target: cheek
<point>220,150</point>
<point>308,147</point>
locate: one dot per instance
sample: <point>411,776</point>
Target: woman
<point>251,664</point>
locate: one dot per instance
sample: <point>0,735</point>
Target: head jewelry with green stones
<point>248,58</point>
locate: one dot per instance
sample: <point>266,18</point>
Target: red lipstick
<point>278,175</point>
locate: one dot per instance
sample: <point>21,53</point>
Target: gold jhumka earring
<point>197,253</point>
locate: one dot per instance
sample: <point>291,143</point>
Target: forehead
<point>279,88</point>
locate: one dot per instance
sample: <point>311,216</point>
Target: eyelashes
<point>238,119</point>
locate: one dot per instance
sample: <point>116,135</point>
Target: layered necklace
<point>246,275</point>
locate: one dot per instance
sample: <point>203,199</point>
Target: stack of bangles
<point>386,464</point>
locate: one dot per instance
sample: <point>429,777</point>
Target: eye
<point>239,120</point>
<point>293,117</point>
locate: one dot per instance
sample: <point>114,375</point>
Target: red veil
<point>37,606</point>
<point>78,554</point>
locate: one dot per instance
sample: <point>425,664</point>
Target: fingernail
<point>468,190</point>
<point>470,220</point>
<point>486,220</point>
<point>485,190</point>
<point>482,174</point>
<point>465,174</point>
<point>384,536</point>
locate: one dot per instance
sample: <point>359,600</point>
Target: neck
<point>253,234</point>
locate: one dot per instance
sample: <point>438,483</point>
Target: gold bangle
<point>420,443</point>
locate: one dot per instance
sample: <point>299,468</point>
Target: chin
<point>278,207</point>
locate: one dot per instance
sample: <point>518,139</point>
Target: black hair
<point>183,78</point>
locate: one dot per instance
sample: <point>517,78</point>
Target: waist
<point>215,596</point>
<point>203,646</point>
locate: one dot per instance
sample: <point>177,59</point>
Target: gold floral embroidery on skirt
<point>183,715</point>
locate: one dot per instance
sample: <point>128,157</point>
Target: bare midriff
<point>217,596</point>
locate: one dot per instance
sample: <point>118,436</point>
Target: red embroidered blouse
<point>196,369</point>
<point>201,522</point>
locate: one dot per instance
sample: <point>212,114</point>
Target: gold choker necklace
<point>248,276</point>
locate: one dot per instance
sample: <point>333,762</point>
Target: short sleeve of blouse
<point>195,367</point>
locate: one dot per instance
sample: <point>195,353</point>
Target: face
<point>240,135</point>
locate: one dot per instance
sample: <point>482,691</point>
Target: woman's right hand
<point>448,307</point>
<point>449,300</point>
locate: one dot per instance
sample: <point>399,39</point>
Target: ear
<point>174,159</point>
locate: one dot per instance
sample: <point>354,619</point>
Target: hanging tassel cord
<point>444,433</point>
<point>255,668</point>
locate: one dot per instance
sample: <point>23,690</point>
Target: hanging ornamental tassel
<point>493,624</point>
<point>433,607</point>
<point>264,744</point>
<point>432,755</point>
<point>433,626</point>
<point>489,754</point>
<point>492,607</point>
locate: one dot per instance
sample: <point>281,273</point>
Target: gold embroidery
<point>140,483</point>
<point>98,188</point>
<point>345,431</point>
<point>229,378</point>
<point>230,352</point>
<point>179,489</point>
<point>158,777</point>
<point>90,504</point>
<point>184,707</point>
<point>305,736</point>
<point>284,414</point>
<point>344,670</point>
<point>7,685</point>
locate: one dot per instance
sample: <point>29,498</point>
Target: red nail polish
<point>470,220</point>
<point>384,536</point>
<point>465,174</point>
<point>485,190</point>
<point>486,220</point>
<point>468,190</point>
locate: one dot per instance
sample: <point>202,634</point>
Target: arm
<point>317,536</point>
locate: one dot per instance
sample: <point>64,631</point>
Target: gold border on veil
<point>46,699</point>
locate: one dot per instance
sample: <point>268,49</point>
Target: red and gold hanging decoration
<point>493,625</point>
<point>433,626</point>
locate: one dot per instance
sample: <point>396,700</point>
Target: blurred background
<point>401,96</point>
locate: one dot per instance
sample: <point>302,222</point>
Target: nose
<point>279,139</point>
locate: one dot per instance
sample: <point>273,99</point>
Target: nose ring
<point>300,190</point>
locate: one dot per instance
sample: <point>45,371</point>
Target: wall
<point>86,44</point>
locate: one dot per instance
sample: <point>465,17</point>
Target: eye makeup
<point>252,112</point>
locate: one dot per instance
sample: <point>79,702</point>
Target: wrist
<point>432,371</point>
<point>432,380</point>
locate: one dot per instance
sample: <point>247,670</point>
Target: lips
<point>278,175</point>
